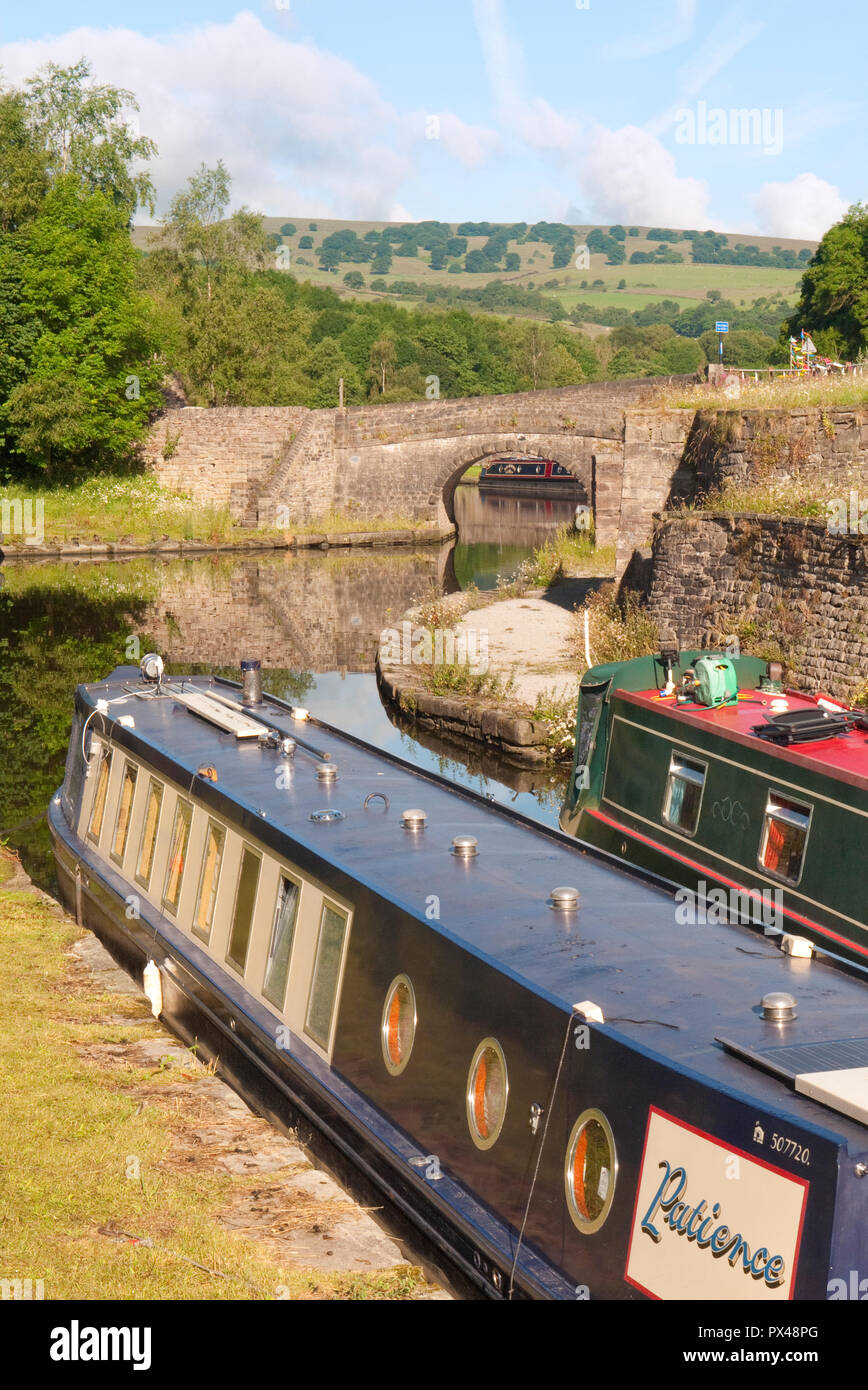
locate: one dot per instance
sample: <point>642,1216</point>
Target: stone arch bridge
<point>286,466</point>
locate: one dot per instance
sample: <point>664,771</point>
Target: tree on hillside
<point>382,262</point>
<point>85,134</point>
<point>200,243</point>
<point>91,378</point>
<point>23,163</point>
<point>381,365</point>
<point>224,327</point>
<point>834,294</point>
<point>78,378</point>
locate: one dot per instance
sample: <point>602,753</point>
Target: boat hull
<point>505,1212</point>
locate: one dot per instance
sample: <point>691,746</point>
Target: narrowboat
<point>705,769</point>
<point>532,477</point>
<point>511,1034</point>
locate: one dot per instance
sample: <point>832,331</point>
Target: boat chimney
<point>251,682</point>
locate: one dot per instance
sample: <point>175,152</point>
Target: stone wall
<point>221,457</point>
<point>785,586</point>
<point>826,445</point>
<point>654,473</point>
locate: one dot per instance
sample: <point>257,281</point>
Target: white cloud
<point>470,145</point>
<point>301,130</point>
<point>805,207</point>
<point>623,174</point>
<point>629,176</point>
<point>730,36</point>
<point>532,119</point>
<point>666,34</point>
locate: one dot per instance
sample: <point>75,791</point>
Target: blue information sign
<point>722,327</point>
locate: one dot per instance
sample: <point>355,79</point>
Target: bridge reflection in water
<point>312,617</point>
<point>496,532</point>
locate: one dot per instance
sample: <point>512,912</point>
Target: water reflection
<point>495,533</point>
<point>313,619</point>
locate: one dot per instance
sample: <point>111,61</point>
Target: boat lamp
<point>151,667</point>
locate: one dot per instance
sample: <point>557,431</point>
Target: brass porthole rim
<point>477,1138</point>
<point>395,1068</point>
<point>588,1228</point>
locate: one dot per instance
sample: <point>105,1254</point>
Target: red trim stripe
<point>730,882</point>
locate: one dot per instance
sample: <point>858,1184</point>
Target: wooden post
<point>341,394</point>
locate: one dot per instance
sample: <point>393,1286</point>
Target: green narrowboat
<point>750,797</point>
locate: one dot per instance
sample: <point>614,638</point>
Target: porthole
<point>487,1093</point>
<point>398,1028</point>
<point>591,1171</point>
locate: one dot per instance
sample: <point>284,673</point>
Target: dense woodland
<point>90,327</point>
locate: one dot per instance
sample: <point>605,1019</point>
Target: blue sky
<point>502,109</point>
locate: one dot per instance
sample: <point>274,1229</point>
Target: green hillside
<point>527,264</point>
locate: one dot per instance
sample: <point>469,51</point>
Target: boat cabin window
<point>215,839</point>
<point>326,972</point>
<point>149,832</point>
<point>683,798</point>
<point>97,812</point>
<point>245,902</point>
<point>280,949</point>
<point>125,806</point>
<point>784,837</point>
<point>177,854</point>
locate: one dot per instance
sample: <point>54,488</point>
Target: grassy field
<point>68,1192</point>
<point>644,283</point>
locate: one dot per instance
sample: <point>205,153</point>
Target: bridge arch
<point>580,462</point>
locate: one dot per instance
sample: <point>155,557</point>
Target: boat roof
<point>669,987</point>
<point>843,756</point>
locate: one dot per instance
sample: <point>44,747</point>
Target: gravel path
<point>530,638</point>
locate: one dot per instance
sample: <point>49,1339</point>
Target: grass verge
<point>782,393</point>
<point>70,1130</point>
<point>568,553</point>
<point>139,511</point>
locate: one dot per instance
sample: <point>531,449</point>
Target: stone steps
<point>264,508</point>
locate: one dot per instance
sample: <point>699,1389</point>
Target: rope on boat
<point>542,1141</point>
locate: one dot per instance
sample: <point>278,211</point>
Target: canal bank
<point>130,1171</point>
<point>100,549</point>
<point>510,660</point>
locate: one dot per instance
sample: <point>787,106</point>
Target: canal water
<point>312,617</point>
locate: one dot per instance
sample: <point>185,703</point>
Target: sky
<point>584,111</point>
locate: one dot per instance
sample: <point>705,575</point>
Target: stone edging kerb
<point>507,731</point>
<point>120,550</point>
